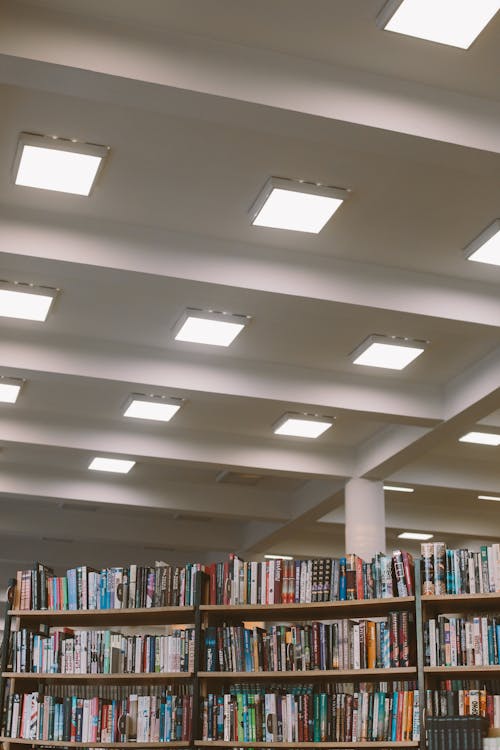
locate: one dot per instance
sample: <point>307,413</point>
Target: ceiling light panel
<point>25,301</point>
<point>155,408</point>
<point>59,164</point>
<point>115,465</point>
<point>489,497</point>
<point>388,352</point>
<point>416,535</point>
<point>209,327</point>
<point>294,205</point>
<point>485,248</point>
<point>10,389</point>
<point>454,22</point>
<point>278,557</point>
<point>481,438</point>
<point>302,425</point>
<point>394,488</point>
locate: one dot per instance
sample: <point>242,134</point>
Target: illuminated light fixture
<point>416,535</point>
<point>389,352</point>
<point>60,164</point>
<point>210,327</point>
<point>488,497</point>
<point>278,557</point>
<point>10,389</point>
<point>116,465</point>
<point>296,205</point>
<point>156,408</point>
<point>25,301</point>
<point>394,488</point>
<point>481,438</point>
<point>302,425</point>
<point>485,248</point>
<point>442,21</point>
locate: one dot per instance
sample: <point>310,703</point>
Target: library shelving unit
<point>142,618</point>
<point>211,681</point>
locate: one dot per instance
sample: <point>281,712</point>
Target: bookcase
<point>124,622</point>
<point>212,683</point>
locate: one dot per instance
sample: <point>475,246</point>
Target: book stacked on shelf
<point>465,698</point>
<point>84,588</point>
<point>100,714</point>
<point>308,713</point>
<point>452,640</point>
<point>456,732</point>
<point>460,571</point>
<point>67,651</point>
<point>309,581</point>
<point>337,644</point>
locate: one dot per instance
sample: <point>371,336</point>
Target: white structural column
<point>364,517</point>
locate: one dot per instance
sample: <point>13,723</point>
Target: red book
<point>360,591</point>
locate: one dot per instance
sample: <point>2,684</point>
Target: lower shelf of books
<point>384,744</point>
<point>340,675</point>
<point>54,743</point>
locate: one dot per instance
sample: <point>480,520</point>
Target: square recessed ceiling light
<point>394,488</point>
<point>59,164</point>
<point>209,327</point>
<point>10,389</point>
<point>416,535</point>
<point>389,352</point>
<point>481,438</point>
<point>295,205</point>
<point>302,425</point>
<point>453,22</point>
<point>485,248</point>
<point>157,408</point>
<point>25,301</point>
<point>116,465</point>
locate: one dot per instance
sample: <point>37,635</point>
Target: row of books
<point>308,581</point>
<point>465,698</point>
<point>462,640</point>
<point>338,644</point>
<point>307,714</point>
<point>66,651</point>
<point>134,717</point>
<point>460,571</point>
<point>130,587</point>
<point>456,733</point>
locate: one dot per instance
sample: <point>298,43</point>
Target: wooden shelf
<point>237,743</point>
<point>455,602</point>
<point>324,610</point>
<point>313,674</point>
<point>142,616</point>
<point>91,678</point>
<point>67,743</point>
<point>476,671</point>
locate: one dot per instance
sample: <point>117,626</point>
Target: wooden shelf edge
<point>462,669</point>
<point>437,598</point>
<point>301,606</point>
<point>310,674</point>
<point>141,676</point>
<point>364,744</point>
<point>89,612</point>
<point>67,743</point>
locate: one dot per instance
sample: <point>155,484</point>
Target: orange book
<point>371,645</point>
<point>16,604</point>
<point>409,717</point>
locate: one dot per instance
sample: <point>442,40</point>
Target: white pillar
<point>364,517</point>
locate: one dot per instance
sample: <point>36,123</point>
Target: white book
<point>472,575</point>
<point>303,580</point>
<point>453,641</point>
<point>491,569</point>
<point>309,582</point>
<point>227,718</point>
<point>356,647</point>
<point>270,588</point>
<point>15,716</point>
<point>484,639</point>
<point>432,644</point>
<point>416,717</point>
<point>253,582</point>
<point>469,643</point>
<point>478,651</point>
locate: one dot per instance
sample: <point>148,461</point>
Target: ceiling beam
<point>197,449</point>
<point>100,244</point>
<point>160,61</point>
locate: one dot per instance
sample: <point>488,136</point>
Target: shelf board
<point>343,745</point>
<point>324,610</point>
<point>313,674</point>
<point>470,601</point>
<point>68,743</point>
<point>473,671</point>
<point>140,616</point>
<point>112,678</point>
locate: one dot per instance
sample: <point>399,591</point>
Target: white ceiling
<point>200,103</point>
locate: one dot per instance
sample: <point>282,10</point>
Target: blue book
<point>247,647</point>
<point>342,579</point>
<point>103,581</point>
<point>72,589</point>
<point>394,723</point>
